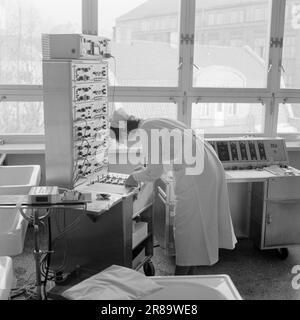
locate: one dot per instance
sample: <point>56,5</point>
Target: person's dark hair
<point>131,125</point>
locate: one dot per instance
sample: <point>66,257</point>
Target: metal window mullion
<point>274,80</point>
<point>275,53</point>
<point>293,94</point>
<point>119,92</point>
<point>21,138</point>
<point>21,93</point>
<point>275,118</point>
<point>190,102</point>
<point>230,92</point>
<point>190,29</point>
<point>270,123</point>
<point>146,98</point>
<point>90,17</point>
<point>184,61</point>
<point>188,84</point>
<point>251,100</point>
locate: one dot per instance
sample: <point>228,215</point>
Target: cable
<point>48,258</point>
<point>75,179</point>
<point>80,184</point>
<point>67,229</point>
<point>28,289</point>
<point>115,76</point>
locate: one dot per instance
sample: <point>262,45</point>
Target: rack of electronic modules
<point>76,107</point>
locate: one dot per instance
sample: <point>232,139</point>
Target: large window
<point>228,67</point>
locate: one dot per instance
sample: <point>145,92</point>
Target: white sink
<point>18,179</point>
<point>212,287</point>
<point>13,227</point>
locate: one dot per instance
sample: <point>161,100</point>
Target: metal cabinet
<point>275,212</point>
<point>282,223</point>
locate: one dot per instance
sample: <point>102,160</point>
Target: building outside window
<point>260,14</point>
<point>236,17</point>
<point>211,19</point>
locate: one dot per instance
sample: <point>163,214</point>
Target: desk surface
<point>99,206</point>
<point>144,196</point>
<point>236,176</point>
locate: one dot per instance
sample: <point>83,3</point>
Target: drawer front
<point>282,223</point>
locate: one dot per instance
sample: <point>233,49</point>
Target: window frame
<point>184,95</point>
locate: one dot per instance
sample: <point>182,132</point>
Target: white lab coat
<point>203,221</point>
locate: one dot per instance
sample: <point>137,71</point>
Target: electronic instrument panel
<point>74,46</point>
<point>248,153</point>
<point>90,116</point>
<point>76,119</point>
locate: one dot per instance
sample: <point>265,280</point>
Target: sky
<point>58,10</point>
<point>64,11</point>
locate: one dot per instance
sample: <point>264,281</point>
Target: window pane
<point>21,24</point>
<point>291,51</point>
<point>149,110</point>
<point>21,117</point>
<point>289,118</point>
<point>232,43</point>
<point>228,118</point>
<point>144,41</point>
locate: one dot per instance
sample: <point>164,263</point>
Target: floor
<point>257,275</point>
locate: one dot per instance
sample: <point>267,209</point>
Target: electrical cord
<point>67,229</point>
<point>80,184</point>
<point>115,76</point>
<point>27,290</point>
<point>77,176</point>
<point>75,179</point>
<point>48,258</point>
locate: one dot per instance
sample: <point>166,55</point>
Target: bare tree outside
<point>21,59</point>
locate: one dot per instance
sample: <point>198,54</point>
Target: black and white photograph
<point>149,153</point>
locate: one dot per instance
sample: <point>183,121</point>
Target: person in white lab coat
<point>202,221</point>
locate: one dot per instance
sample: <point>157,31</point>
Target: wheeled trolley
<point>275,214</point>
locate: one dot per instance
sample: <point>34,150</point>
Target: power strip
<point>51,195</point>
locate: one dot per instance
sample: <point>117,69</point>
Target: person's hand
<point>131,182</point>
